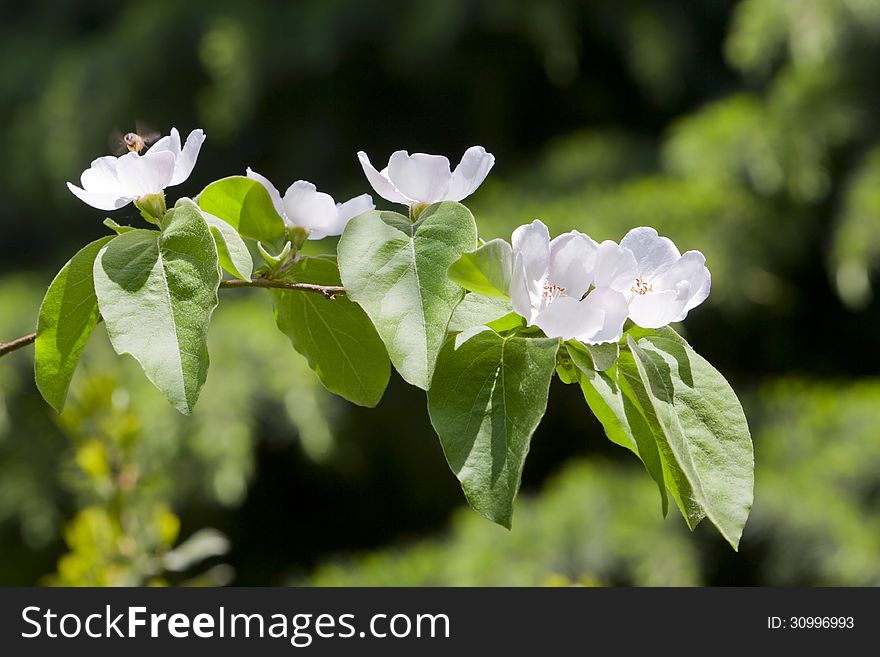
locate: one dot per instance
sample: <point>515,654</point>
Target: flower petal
<point>186,158</point>
<point>655,309</point>
<point>653,253</point>
<point>380,182</point>
<point>345,212</point>
<point>532,242</point>
<point>523,296</point>
<point>169,143</point>
<point>100,200</point>
<point>147,174</point>
<point>308,208</point>
<point>614,314</point>
<point>100,178</point>
<point>572,260</point>
<point>274,194</point>
<point>567,317</point>
<point>422,177</point>
<point>616,267</point>
<point>691,280</point>
<point>470,173</point>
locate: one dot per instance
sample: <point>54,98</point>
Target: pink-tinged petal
<point>470,173</point>
<point>170,143</point>
<point>532,243</point>
<point>614,309</point>
<point>143,175</point>
<point>422,177</point>
<point>655,309</point>
<point>186,158</point>
<point>274,194</point>
<point>566,318</point>
<point>347,211</point>
<point>308,208</point>
<point>525,294</point>
<point>100,178</point>
<point>380,182</point>
<point>654,254</point>
<point>690,279</point>
<point>572,260</point>
<point>616,267</point>
<point>99,200</point>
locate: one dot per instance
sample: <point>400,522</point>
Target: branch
<point>9,347</point>
<point>329,292</point>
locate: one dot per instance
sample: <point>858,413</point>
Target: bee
<point>135,141</point>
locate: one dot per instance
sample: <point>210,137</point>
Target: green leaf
<point>67,316</point>
<point>676,482</point>
<point>275,261</point>
<point>156,292</point>
<point>335,335</point>
<point>487,397</point>
<point>485,271</point>
<point>396,270</point>
<point>602,356</point>
<point>246,206</point>
<point>231,249</point>
<point>704,437</point>
<point>621,418</point>
<point>477,310</point>
<point>565,369</point>
<point>115,227</point>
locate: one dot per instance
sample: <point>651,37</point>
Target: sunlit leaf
<point>396,271</point>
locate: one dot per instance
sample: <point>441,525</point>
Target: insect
<point>135,141</point>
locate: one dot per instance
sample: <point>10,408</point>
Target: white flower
<point>303,206</point>
<point>113,182</point>
<point>549,280</point>
<point>661,284</point>
<point>425,179</point>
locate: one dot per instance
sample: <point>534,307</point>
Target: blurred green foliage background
<point>747,130</point>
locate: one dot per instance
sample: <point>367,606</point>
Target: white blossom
<point>549,280</point>
<point>661,284</point>
<point>303,206</point>
<point>421,178</point>
<point>113,182</point>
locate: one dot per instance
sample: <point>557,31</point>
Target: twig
<point>328,291</point>
<point>9,347</point>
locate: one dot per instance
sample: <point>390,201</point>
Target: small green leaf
<point>602,356</point>
<point>396,271</point>
<point>246,206</point>
<point>156,292</point>
<point>485,271</point>
<point>622,420</point>
<point>565,369</point>
<point>115,227</point>
<point>477,310</point>
<point>704,438</point>
<point>335,335</point>
<point>509,322</point>
<point>67,317</point>
<point>487,397</point>
<point>275,261</point>
<point>231,249</point>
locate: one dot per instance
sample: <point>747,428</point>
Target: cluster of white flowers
<point>418,179</point>
<point>572,287</point>
<point>569,287</point>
